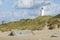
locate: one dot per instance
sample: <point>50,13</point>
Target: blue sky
<point>13,10</point>
<point>56,1</point>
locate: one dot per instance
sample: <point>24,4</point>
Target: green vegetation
<point>32,24</point>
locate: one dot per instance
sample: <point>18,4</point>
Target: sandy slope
<point>37,35</point>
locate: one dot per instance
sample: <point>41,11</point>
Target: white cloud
<point>53,9</point>
<point>24,3</point>
<point>29,3</point>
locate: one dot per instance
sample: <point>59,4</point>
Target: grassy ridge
<point>32,24</point>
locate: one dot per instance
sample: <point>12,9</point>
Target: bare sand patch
<point>37,35</point>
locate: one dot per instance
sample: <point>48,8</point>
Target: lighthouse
<point>42,11</point>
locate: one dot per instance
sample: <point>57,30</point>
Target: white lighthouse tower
<point>42,11</point>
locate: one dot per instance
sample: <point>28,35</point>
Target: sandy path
<point>38,35</point>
